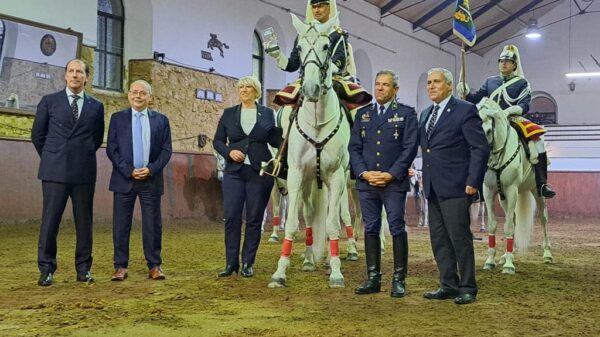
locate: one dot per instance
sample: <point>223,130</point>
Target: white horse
<point>317,153</point>
<point>510,175</point>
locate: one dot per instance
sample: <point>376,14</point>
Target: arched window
<point>543,108</point>
<point>108,56</point>
<point>258,59</point>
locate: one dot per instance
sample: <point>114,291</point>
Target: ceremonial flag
<point>462,23</point>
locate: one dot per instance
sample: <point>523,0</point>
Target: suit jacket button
<point>378,165</point>
<point>378,142</point>
<point>378,132</point>
<point>428,150</point>
<point>378,154</point>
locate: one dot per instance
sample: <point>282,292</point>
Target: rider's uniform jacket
<point>514,90</point>
<point>337,48</point>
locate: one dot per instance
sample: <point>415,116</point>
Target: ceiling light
<point>533,31</point>
<point>583,74</point>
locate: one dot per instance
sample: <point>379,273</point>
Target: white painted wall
<point>545,62</point>
<point>181,28</point>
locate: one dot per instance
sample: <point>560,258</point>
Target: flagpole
<point>463,71</point>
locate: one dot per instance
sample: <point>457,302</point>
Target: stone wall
<point>174,94</point>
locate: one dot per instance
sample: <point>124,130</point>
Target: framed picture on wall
<point>33,58</point>
<point>210,95</point>
<point>201,93</point>
<point>218,97</point>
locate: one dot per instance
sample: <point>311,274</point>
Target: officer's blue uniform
<point>514,90</point>
<point>386,143</point>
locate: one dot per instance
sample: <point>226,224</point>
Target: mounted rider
<point>512,92</point>
<point>342,68</point>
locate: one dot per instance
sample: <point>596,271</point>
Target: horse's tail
<point>319,197</point>
<point>524,217</point>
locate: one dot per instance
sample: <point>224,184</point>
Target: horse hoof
<point>548,260</point>
<point>307,266</point>
<point>273,239</point>
<point>482,229</point>
<point>336,283</point>
<point>489,267</point>
<point>509,271</point>
<point>277,283</point>
<point>352,257</point>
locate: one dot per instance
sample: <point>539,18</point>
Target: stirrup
<point>271,168</point>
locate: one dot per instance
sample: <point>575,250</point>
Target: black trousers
<point>452,242</point>
<point>123,205</point>
<point>55,197</point>
<point>244,187</point>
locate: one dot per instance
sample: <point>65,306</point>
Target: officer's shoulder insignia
<point>338,29</point>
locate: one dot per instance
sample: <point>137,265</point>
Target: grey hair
<point>144,83</point>
<point>253,82</point>
<point>445,72</point>
<point>391,74</point>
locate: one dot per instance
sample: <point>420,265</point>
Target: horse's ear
<point>300,26</point>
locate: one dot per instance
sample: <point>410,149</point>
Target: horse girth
<point>319,145</point>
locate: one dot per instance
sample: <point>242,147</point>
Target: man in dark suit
<point>67,131</point>
<point>139,146</point>
<point>382,147</point>
<point>455,153</point>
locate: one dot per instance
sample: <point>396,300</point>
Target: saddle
<point>350,94</point>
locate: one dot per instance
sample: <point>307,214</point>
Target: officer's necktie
<point>138,143</point>
<point>381,110</point>
<point>75,108</point>
<point>432,121</point>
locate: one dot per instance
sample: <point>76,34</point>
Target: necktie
<point>432,121</point>
<point>75,108</point>
<point>138,143</point>
<point>381,110</point>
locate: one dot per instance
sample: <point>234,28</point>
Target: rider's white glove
<point>514,110</point>
<point>334,69</point>
<point>462,89</point>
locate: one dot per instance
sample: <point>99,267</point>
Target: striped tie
<point>432,121</point>
<point>75,108</point>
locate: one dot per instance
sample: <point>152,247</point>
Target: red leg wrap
<point>349,232</point>
<point>492,241</point>
<point>334,246</point>
<point>509,244</point>
<point>309,236</point>
<point>276,221</point>
<point>286,249</point>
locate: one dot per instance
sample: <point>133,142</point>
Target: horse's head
<point>313,47</point>
<point>494,122</point>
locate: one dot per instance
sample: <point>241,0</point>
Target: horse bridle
<point>322,65</point>
<point>501,168</point>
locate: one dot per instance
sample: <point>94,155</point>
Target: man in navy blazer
<point>67,131</point>
<point>138,174</point>
<point>455,153</point>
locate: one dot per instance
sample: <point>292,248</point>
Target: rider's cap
<point>508,53</point>
<point>315,2</point>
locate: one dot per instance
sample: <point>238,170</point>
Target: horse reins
<point>505,165</point>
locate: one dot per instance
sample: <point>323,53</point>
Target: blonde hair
<point>253,82</point>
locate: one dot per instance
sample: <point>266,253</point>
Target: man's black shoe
<point>247,270</point>
<point>45,279</point>
<point>440,294</point>
<point>85,277</point>
<point>229,269</point>
<point>465,298</point>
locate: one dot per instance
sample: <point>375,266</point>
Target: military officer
<point>382,147</point>
<point>512,92</point>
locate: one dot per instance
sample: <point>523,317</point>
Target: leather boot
<point>400,246</point>
<point>373,256</point>
<point>541,177</point>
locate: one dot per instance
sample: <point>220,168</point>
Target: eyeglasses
<point>140,93</point>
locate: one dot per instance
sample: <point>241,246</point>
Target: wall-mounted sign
<point>206,55</point>
<point>48,44</point>
<point>200,93</point>
<point>210,95</point>
<point>218,97</point>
